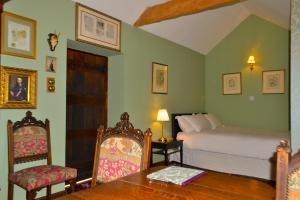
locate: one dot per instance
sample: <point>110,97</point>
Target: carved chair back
<point>287,173</point>
<point>28,140</point>
<point>120,151</point>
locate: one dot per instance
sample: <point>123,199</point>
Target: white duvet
<point>255,143</point>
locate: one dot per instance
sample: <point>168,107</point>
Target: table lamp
<point>162,116</point>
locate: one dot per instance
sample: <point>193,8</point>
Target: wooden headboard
<point>175,125</point>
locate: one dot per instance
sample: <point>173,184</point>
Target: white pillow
<point>214,122</point>
<point>184,125</point>
<point>198,122</point>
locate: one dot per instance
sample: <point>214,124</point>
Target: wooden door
<point>86,108</point>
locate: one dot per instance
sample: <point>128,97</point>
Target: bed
<point>234,150</point>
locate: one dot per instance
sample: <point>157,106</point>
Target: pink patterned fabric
<point>41,176</point>
<point>119,157</point>
<point>294,186</point>
<point>29,141</point>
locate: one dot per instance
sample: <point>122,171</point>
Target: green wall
<point>130,73</point>
<point>185,84</point>
<point>270,46</point>
<point>295,80</point>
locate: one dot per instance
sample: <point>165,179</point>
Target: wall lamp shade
<point>162,116</point>
<point>251,62</point>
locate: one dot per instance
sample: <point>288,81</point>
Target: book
<point>176,175</point>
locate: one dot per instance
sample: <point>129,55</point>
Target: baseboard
<point>80,185</point>
<point>54,195</point>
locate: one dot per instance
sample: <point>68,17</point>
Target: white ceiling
<point>200,32</point>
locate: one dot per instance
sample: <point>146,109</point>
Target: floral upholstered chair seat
<point>41,176</point>
<point>119,157</point>
<point>294,185</point>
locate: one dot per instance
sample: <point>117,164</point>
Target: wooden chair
<point>287,173</point>
<point>120,151</point>
<point>29,140</point>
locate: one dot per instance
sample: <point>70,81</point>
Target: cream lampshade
<point>162,116</point>
<point>251,62</point>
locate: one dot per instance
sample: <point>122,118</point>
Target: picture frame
<point>97,28</point>
<point>232,84</point>
<point>159,78</point>
<point>273,82</point>
<point>18,89</point>
<point>18,36</point>
<point>51,64</point>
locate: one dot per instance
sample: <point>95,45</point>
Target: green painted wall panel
<point>270,46</point>
<point>129,81</point>
<point>295,80</point>
<point>185,84</point>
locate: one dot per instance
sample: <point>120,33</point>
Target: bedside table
<point>166,149</point>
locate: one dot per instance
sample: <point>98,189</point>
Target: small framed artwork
<point>97,28</point>
<point>273,82</point>
<point>232,83</point>
<point>18,89</point>
<point>18,36</point>
<point>50,84</point>
<point>159,78</point>
<point>51,64</point>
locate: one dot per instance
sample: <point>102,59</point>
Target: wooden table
<point>211,186</point>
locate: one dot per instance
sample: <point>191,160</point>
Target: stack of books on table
<point>176,175</point>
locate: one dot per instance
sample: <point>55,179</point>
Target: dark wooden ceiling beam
<point>177,8</point>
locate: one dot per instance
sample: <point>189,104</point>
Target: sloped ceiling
<point>200,32</point>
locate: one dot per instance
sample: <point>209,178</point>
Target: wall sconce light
<point>251,62</point>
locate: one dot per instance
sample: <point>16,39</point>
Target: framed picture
<point>159,78</point>
<point>97,28</point>
<point>18,89</point>
<point>232,83</point>
<point>18,36</point>
<point>273,82</point>
<point>51,64</point>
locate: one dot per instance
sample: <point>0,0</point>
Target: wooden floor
<point>211,186</point>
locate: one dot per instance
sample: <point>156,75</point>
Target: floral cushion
<point>30,140</point>
<point>118,157</point>
<point>294,186</point>
<point>41,176</point>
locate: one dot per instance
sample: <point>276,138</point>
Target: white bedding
<point>256,143</point>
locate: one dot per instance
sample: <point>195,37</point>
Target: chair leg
<point>10,195</point>
<point>72,185</point>
<point>48,197</point>
<point>30,195</point>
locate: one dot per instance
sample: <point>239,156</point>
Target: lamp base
<point>162,139</point>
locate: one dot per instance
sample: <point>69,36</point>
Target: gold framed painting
<point>159,78</point>
<point>18,36</point>
<point>18,89</point>
<point>273,82</point>
<point>97,28</point>
<point>232,83</point>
